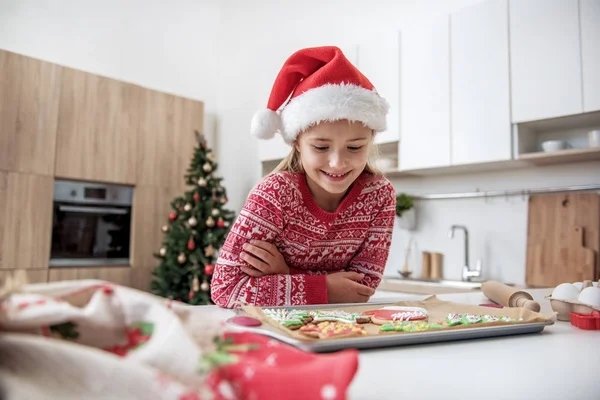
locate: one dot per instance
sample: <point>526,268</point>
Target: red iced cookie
<point>397,313</point>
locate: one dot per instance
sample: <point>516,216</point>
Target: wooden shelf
<point>562,156</point>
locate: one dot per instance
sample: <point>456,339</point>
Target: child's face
<point>334,154</point>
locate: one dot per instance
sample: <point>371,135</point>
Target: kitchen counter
<point>561,362</point>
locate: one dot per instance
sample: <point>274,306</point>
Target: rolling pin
<point>509,297</point>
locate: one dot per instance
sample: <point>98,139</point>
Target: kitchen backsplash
<point>497,225</point>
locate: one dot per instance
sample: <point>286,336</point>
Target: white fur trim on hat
<point>333,102</point>
<point>265,124</point>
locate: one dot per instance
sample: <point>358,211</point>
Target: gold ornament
<point>209,250</point>
<point>205,286</point>
<point>223,200</point>
<point>165,228</point>
<point>195,284</point>
<point>187,207</point>
<point>202,182</point>
<point>210,222</point>
<point>181,258</point>
<point>193,221</point>
<point>206,167</point>
<point>162,251</point>
<point>215,212</point>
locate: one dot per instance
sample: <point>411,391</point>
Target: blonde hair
<point>292,163</point>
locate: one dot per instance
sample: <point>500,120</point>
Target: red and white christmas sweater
<point>314,242</point>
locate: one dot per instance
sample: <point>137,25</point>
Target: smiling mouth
<point>335,175</point>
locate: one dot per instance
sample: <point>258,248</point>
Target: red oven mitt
<point>275,370</point>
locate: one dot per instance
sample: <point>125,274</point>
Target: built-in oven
<point>91,224</point>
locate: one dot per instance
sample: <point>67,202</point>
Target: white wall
<point>162,45</point>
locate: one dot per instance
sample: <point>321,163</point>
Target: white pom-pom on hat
<point>265,124</point>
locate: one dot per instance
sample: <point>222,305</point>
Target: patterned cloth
<point>281,210</point>
<point>95,340</point>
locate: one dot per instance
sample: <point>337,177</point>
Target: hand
<point>344,287</point>
<point>264,259</point>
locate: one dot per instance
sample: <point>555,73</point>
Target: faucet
<point>467,273</point>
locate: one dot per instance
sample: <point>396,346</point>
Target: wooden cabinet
<point>166,138</point>
<point>119,275</point>
<point>26,220</point>
<point>425,96</point>
<point>150,212</point>
<point>31,275</point>
<point>29,93</point>
<point>379,61</point>
<point>481,128</point>
<point>545,59</point>
<point>590,53</point>
<point>98,126</point>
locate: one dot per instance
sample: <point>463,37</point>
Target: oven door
<point>88,235</point>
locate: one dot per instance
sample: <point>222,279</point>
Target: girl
<point>318,229</point>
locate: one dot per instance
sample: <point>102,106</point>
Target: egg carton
<point>564,308</point>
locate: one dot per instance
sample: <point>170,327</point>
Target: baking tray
<point>390,340</point>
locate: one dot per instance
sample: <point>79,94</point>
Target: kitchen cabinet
<point>385,76</point>
<point>32,275</point>
<point>480,98</point>
<point>98,120</point>
<point>590,53</point>
<point>26,214</point>
<point>166,138</point>
<point>151,208</point>
<point>118,275</point>
<point>545,59</point>
<point>425,95</point>
<point>29,93</point>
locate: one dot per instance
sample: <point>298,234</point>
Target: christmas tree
<point>196,229</point>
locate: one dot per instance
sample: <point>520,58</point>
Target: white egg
<point>590,296</point>
<point>578,285</point>
<point>565,291</point>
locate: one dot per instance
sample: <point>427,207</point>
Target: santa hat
<point>318,84</point>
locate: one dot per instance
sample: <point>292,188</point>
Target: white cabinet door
<point>590,53</point>
<point>545,59</point>
<point>480,97</point>
<point>425,95</point>
<point>379,61</point>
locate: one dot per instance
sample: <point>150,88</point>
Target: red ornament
<point>191,295</point>
<point>196,197</point>
<point>209,269</point>
<point>220,223</point>
<point>191,244</point>
<point>172,216</point>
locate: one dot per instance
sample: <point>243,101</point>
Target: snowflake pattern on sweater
<point>314,242</point>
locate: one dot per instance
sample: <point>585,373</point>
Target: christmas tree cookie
<point>291,319</point>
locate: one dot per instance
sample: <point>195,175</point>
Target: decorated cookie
<point>454,319</point>
<point>468,319</point>
<point>340,316</point>
<point>408,326</point>
<point>332,329</point>
<point>397,313</point>
<point>292,319</point>
<point>490,318</point>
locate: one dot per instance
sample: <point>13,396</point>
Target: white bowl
<point>554,145</point>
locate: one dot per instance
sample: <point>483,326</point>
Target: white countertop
<point>561,362</point>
